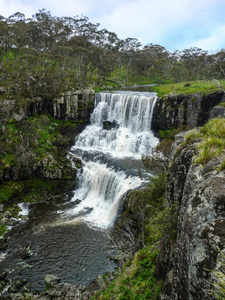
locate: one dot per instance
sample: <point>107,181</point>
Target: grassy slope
<point>195,87</point>
<point>210,142</point>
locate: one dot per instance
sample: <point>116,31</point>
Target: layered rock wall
<point>68,106</point>
<point>192,110</point>
<point>199,196</point>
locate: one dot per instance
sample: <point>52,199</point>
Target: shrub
<point>211,141</point>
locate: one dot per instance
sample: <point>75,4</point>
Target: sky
<point>173,24</point>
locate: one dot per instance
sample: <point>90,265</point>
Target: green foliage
<point>170,133</point>
<point>28,141</point>
<point>165,133</point>
<point>3,229</point>
<point>181,88</point>
<point>33,141</point>
<point>8,189</point>
<point>218,282</point>
<point>137,281</point>
<point>211,141</point>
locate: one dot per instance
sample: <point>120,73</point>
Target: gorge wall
<point>76,105</point>
<point>192,110</point>
<point>198,193</point>
<point>24,161</point>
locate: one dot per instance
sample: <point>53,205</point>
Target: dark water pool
<point>73,251</point>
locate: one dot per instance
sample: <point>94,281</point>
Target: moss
<point>8,189</point>
<point>3,229</point>
<point>165,133</point>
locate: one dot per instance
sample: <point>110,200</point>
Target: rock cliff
<point>192,110</point>
<point>68,106</point>
<point>198,192</point>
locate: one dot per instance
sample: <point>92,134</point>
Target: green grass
<point>181,88</point>
<point>3,229</point>
<point>119,76</point>
<point>210,141</point>
<point>136,280</point>
<point>8,189</point>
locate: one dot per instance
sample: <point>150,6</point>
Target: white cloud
<point>8,8</point>
<point>169,23</point>
<point>215,41</point>
<point>157,21</point>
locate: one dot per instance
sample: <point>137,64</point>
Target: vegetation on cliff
<point>210,141</point>
<point>34,163</point>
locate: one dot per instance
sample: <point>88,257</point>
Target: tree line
<point>45,55</point>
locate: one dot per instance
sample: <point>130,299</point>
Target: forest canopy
<point>46,55</point>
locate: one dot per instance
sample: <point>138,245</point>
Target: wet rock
<point>52,280</point>
<point>77,201</point>
<point>67,291</point>
<point>20,283</point>
<point>8,214</point>
<point>1,207</point>
<point>24,218</point>
<point>101,282</point>
<point>25,252</point>
<point>3,276</point>
<point>3,244</point>
<point>108,125</point>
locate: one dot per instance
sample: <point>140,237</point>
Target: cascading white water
<point>133,113</point>
<point>101,186</point>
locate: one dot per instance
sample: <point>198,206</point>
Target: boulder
<point>52,280</point>
<point>108,125</point>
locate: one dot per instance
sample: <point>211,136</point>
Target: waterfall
<point>111,157</point>
<point>133,114</point>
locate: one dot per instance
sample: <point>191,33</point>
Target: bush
<point>210,140</point>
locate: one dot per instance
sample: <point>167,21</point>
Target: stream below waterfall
<point>66,237</point>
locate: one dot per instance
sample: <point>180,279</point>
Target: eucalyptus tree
<point>191,59</point>
<point>128,49</point>
<point>152,61</point>
<point>5,39</point>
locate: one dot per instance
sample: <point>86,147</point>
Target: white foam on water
<point>24,209</point>
<point>100,187</point>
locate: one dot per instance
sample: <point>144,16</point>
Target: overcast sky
<point>174,24</point>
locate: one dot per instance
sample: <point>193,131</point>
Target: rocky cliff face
<point>191,110</point>
<point>199,195</point>
<point>68,106</point>
<point>76,106</point>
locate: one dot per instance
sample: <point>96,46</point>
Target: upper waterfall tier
<point>131,114</point>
